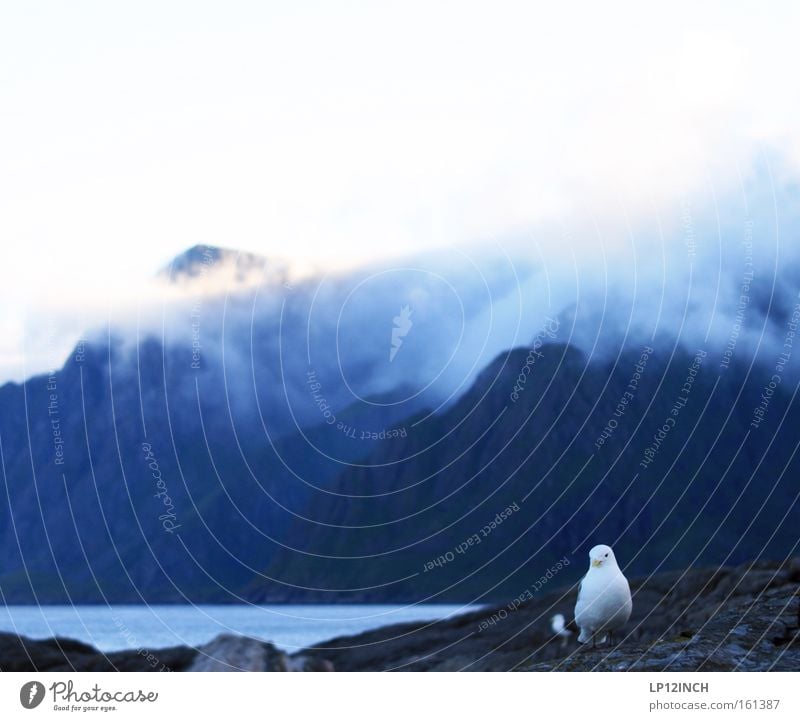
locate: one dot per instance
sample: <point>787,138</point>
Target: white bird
<point>604,598</point>
<point>559,625</point>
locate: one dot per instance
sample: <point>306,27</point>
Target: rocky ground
<point>743,618</point>
<point>711,619</point>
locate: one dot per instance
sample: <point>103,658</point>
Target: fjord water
<point>290,627</point>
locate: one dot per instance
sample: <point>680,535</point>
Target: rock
<point>309,663</point>
<point>226,652</point>
<point>18,653</point>
<point>229,652</point>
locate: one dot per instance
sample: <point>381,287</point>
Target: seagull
<point>559,626</point>
<point>604,598</point>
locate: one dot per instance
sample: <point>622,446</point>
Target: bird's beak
<point>597,563</point>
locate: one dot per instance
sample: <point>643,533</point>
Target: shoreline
<point>720,618</point>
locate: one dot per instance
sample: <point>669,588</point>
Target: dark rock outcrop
<point>226,652</point>
<point>18,653</point>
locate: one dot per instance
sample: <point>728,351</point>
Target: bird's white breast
<point>604,601</point>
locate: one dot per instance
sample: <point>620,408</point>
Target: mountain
<point>207,265</point>
<point>169,460</point>
<point>682,479</point>
<point>381,435</point>
<point>131,490</point>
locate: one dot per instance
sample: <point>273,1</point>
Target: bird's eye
<point>606,555</point>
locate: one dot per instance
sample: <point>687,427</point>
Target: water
<point>289,627</point>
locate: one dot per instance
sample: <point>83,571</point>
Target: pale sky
<point>354,131</point>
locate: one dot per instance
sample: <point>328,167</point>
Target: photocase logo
<point>402,324</point>
<point>31,694</point>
